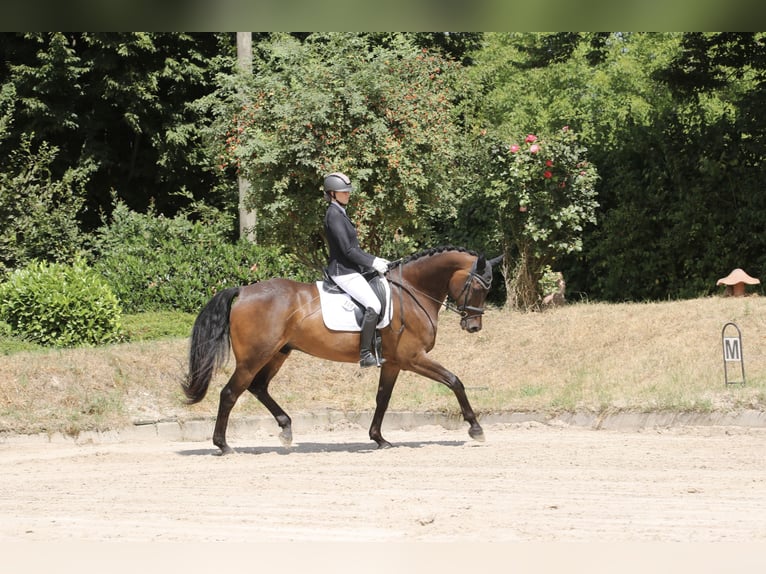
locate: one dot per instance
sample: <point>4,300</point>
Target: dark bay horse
<point>272,318</point>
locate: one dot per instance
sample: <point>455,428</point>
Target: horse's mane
<point>435,250</point>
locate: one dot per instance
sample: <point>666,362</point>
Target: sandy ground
<point>527,482</point>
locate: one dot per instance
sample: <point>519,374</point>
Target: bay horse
<point>264,322</point>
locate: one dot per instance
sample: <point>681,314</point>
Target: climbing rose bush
<point>543,189</point>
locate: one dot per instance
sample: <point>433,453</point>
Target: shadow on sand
<point>320,447</point>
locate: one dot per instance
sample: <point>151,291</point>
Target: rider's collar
<point>334,202</point>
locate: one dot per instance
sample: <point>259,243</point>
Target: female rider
<point>347,261</point>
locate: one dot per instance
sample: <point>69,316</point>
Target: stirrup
<point>367,359</point>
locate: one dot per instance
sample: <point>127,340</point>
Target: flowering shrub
<point>543,190</point>
<point>383,114</point>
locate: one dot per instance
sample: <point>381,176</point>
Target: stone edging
<point>202,430</point>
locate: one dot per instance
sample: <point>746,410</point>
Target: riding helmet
<point>336,182</point>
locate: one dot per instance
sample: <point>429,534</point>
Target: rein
<point>409,290</point>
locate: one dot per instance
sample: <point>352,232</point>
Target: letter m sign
<point>731,349</point>
<point>732,352</point>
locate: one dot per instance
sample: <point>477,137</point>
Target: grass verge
<point>637,357</point>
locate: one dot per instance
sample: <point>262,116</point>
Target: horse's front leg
<point>427,367</point>
<point>388,376</point>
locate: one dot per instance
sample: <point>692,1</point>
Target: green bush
<point>154,263</point>
<point>60,305</point>
<point>38,212</point>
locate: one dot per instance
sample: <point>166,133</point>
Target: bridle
<point>463,309</point>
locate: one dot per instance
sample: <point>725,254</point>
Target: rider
<point>348,261</point>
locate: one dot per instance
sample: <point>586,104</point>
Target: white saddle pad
<point>338,310</point>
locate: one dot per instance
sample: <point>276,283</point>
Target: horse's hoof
<point>224,451</point>
<point>384,444</point>
<point>476,434</point>
<point>286,438</point>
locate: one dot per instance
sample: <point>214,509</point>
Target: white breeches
<point>356,286</point>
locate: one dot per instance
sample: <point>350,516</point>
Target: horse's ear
<point>496,260</point>
<point>481,264</point>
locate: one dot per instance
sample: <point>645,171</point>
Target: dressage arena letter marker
<point>732,352</point>
<point>731,349</point>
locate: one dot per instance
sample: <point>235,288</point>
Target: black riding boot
<point>366,357</point>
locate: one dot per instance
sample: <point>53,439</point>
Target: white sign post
<point>731,343</point>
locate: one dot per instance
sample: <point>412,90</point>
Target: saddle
<point>341,312</point>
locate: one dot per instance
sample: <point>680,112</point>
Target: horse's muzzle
<point>471,324</point>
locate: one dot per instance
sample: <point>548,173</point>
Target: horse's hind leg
<point>260,388</point>
<point>237,384</point>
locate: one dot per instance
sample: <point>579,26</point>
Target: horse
<point>264,322</point>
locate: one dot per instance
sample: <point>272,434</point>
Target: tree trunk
<point>522,282</point>
<point>247,218</point>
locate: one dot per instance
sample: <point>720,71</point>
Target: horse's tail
<point>209,346</point>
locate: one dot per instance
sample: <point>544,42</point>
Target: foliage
<point>455,45</point>
<point>683,195</point>
<point>674,122</point>
<point>121,105</point>
<point>543,194</point>
<point>154,263</point>
<point>596,83</point>
<point>38,214</point>
<point>380,112</point>
<point>60,305</point>
<point>606,87</point>
<point>38,211</point>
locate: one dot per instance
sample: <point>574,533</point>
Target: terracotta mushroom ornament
<point>735,283</point>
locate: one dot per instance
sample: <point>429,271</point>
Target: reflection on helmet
<point>337,182</point>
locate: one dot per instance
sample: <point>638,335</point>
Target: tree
<point>683,194</point>
<point>605,87</point>
<point>542,191</point>
<point>123,103</point>
<point>38,211</point>
<point>380,112</point>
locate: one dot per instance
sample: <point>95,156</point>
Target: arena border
<point>198,430</point>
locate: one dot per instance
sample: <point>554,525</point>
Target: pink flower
<point>547,174</point>
<point>565,129</point>
<point>534,148</point>
<point>531,138</point>
<point>514,148</point>
<point>548,163</point>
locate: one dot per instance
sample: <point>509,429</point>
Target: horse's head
<point>470,293</point>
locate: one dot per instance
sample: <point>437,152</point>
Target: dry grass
<point>594,357</point>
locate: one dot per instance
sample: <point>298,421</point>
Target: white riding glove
<point>380,265</point>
